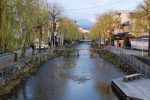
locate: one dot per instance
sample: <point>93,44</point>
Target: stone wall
<point>13,75</point>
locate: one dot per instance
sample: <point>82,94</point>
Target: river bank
<point>15,74</point>
<point>113,58</point>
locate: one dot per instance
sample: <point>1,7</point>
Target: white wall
<point>137,44</point>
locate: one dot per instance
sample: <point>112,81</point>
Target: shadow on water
<point>86,77</point>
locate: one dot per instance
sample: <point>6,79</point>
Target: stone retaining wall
<point>12,75</point>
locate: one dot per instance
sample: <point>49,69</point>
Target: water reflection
<point>86,77</point>
<point>103,87</point>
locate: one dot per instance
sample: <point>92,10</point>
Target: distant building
<point>85,33</point>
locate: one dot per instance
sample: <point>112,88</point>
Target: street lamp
<point>99,39</point>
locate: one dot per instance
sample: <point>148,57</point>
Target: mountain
<point>86,24</point>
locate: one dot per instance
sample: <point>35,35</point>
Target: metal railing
<point>130,60</point>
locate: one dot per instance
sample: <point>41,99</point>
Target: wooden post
<point>146,70</point>
<point>141,67</point>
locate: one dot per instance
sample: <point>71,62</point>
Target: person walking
<point>33,48</point>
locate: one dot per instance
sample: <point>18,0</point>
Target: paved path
<point>8,59</point>
<point>132,52</point>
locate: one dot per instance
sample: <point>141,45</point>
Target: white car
<point>43,45</point>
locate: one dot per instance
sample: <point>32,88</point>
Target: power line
<point>96,6</point>
<point>91,14</point>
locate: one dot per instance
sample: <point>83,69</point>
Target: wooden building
<point>120,36</point>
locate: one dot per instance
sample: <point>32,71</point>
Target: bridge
<point>85,40</point>
<point>64,49</point>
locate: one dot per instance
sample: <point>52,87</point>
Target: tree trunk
<point>104,40</point>
<point>54,30</point>
<point>40,39</point>
<point>149,45</point>
<point>24,46</point>
<point>23,51</point>
<point>52,40</point>
<point>110,41</point>
<point>99,39</point>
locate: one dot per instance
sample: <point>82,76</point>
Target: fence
<point>130,60</point>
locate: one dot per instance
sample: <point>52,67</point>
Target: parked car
<point>43,45</point>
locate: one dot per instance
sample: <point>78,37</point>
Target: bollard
<point>15,56</point>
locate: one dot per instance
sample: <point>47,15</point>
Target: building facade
<point>121,34</point>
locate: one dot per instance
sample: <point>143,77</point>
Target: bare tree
<point>143,18</point>
<point>55,12</point>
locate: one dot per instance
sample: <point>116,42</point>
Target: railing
<point>130,60</point>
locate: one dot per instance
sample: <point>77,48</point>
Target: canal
<point>71,78</point>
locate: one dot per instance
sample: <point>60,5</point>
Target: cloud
<point>75,8</point>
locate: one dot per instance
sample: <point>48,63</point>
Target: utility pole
<point>142,47</point>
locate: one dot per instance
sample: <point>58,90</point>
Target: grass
<point>147,57</point>
<point>113,58</point>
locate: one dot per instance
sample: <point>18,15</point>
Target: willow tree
<point>105,23</point>
<point>41,22</point>
<point>142,18</point>
<point>32,17</point>
<point>69,30</point>
<point>18,23</point>
<point>26,22</point>
<point>95,32</point>
<point>0,12</point>
<point>136,26</point>
<point>8,24</point>
<point>108,23</point>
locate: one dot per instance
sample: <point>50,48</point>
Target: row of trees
<point>69,30</point>
<point>20,22</point>
<point>23,21</point>
<point>141,23</point>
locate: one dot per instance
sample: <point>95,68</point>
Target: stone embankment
<point>11,76</point>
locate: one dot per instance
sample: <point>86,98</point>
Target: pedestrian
<point>33,48</point>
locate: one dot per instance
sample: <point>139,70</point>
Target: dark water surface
<point>86,77</point>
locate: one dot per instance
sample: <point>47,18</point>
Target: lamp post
<point>99,35</point>
<point>142,47</point>
<point>99,39</point>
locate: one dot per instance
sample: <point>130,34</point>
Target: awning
<point>119,36</point>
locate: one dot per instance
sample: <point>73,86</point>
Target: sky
<point>85,11</point>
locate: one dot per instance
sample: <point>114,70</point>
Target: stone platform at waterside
<point>132,87</point>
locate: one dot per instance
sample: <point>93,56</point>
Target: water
<point>86,77</point>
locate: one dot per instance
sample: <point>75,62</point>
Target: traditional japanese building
<point>121,34</point>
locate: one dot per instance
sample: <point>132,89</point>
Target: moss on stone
<point>113,58</point>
